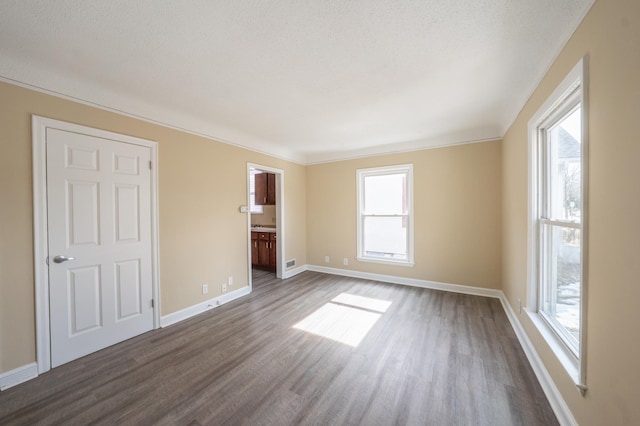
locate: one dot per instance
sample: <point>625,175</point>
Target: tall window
<point>385,214</point>
<point>558,211</point>
<point>560,223</point>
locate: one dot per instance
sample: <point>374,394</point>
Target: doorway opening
<point>265,221</point>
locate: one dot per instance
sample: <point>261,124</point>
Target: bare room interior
<point>240,212</point>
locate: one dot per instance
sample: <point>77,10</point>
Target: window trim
<point>572,90</point>
<point>377,171</point>
<point>568,104</point>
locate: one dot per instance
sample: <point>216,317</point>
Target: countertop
<point>262,229</point>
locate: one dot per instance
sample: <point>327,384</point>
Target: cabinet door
<point>272,251</point>
<point>265,185</point>
<point>271,189</point>
<point>254,248</point>
<point>263,249</point>
<point>261,189</point>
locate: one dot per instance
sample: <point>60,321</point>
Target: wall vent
<point>291,263</point>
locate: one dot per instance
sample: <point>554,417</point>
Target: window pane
<point>561,276</point>
<point>385,194</point>
<point>565,183</point>
<point>385,237</point>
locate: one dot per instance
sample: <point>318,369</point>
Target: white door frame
<point>39,127</point>
<point>280,257</point>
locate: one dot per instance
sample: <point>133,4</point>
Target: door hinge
<point>150,165</point>
<point>153,305</point>
<point>47,260</point>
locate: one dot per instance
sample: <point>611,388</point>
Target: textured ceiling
<point>305,80</point>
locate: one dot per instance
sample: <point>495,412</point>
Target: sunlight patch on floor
<point>346,319</point>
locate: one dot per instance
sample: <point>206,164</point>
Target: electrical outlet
<point>205,289</point>
<point>326,259</point>
<point>345,261</point>
<point>224,287</point>
<point>230,281</point>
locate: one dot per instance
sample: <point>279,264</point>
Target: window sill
<point>386,262</point>
<point>562,353</point>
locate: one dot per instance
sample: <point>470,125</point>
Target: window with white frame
<point>558,210</point>
<point>385,214</point>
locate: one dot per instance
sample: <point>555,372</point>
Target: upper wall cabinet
<point>265,189</point>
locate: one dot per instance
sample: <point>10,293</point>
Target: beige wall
<point>203,236</point>
<point>457,209</point>
<point>610,35</point>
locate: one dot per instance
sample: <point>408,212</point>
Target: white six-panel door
<point>99,208</point>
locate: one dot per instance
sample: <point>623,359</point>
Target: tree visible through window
<point>385,214</point>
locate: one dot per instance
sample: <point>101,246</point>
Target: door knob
<point>60,259</point>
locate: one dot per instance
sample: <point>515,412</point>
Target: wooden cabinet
<point>265,189</point>
<point>271,189</point>
<point>272,251</point>
<point>263,250</point>
<point>254,248</point>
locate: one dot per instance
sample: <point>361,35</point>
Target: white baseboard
<point>18,375</point>
<point>558,404</point>
<point>295,271</point>
<point>454,288</point>
<point>183,314</point>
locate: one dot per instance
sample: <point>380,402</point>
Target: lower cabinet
<point>254,248</point>
<point>272,251</point>
<point>263,250</point>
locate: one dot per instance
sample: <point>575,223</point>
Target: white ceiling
<point>305,80</point>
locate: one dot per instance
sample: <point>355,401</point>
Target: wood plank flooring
<point>433,358</point>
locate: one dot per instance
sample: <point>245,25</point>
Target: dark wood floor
<point>433,358</point>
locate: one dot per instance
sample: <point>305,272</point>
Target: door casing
<point>280,221</point>
<point>40,227</point>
